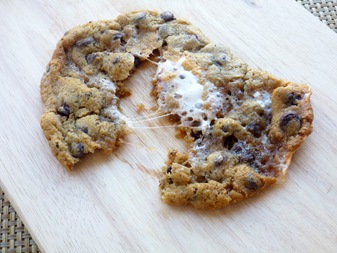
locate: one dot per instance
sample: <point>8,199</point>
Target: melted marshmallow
<point>102,83</point>
<point>184,86</point>
<point>263,98</point>
<point>185,90</point>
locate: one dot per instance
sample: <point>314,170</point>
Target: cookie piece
<point>83,83</point>
<point>241,125</point>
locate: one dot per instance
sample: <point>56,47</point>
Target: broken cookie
<point>241,125</point>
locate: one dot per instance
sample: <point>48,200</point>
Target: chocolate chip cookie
<point>241,125</point>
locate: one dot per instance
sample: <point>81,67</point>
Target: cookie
<point>241,125</point>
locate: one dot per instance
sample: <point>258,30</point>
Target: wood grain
<point>111,203</point>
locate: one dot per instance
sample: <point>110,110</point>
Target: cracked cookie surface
<point>241,125</point>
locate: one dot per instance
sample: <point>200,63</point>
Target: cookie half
<point>242,126</point>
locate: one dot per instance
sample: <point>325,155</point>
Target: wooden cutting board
<point>111,203</point>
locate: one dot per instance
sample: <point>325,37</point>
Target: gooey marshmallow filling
<point>197,104</point>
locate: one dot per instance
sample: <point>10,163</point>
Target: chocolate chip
<point>220,60</point>
<point>250,183</point>
<point>248,157</point>
<point>77,150</point>
<point>268,116</point>
<point>117,36</point>
<point>167,16</point>
<point>64,110</point>
<point>84,129</point>
<point>90,58</point>
<point>230,141</point>
<point>244,153</point>
<point>123,42</point>
<point>116,60</point>
<point>139,16</point>
<point>225,129</point>
<point>195,123</point>
<point>136,62</point>
<point>255,129</point>
<point>217,63</point>
<point>196,135</point>
<point>177,96</point>
<point>290,123</point>
<point>218,160</point>
<point>238,147</point>
<point>292,99</point>
<point>201,179</point>
<point>181,76</point>
<point>169,170</point>
<point>84,42</point>
<point>47,68</point>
